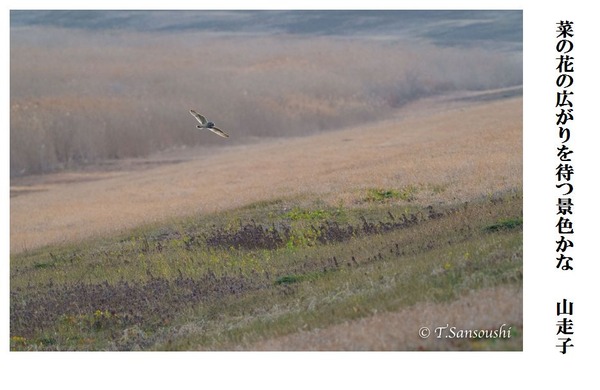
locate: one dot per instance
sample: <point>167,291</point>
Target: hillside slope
<point>444,152</point>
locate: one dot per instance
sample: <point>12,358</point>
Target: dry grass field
<point>371,184</point>
<point>449,152</point>
<point>79,99</point>
<point>128,242</point>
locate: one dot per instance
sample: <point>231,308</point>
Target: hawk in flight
<point>205,124</point>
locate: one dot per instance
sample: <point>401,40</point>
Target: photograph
<point>266,180</point>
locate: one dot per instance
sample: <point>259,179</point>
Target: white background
<point>539,365</point>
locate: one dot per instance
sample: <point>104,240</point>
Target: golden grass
<point>450,154</point>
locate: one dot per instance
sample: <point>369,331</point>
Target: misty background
<point>87,86</point>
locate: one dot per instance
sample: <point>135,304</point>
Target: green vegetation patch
<point>505,224</point>
<point>297,278</point>
<point>298,214</point>
<point>406,194</point>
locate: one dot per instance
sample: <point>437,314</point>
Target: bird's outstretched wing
<point>218,131</point>
<point>199,117</point>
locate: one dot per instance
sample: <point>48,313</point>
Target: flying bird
<point>208,125</point>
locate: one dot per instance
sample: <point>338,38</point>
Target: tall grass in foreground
<point>235,278</point>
